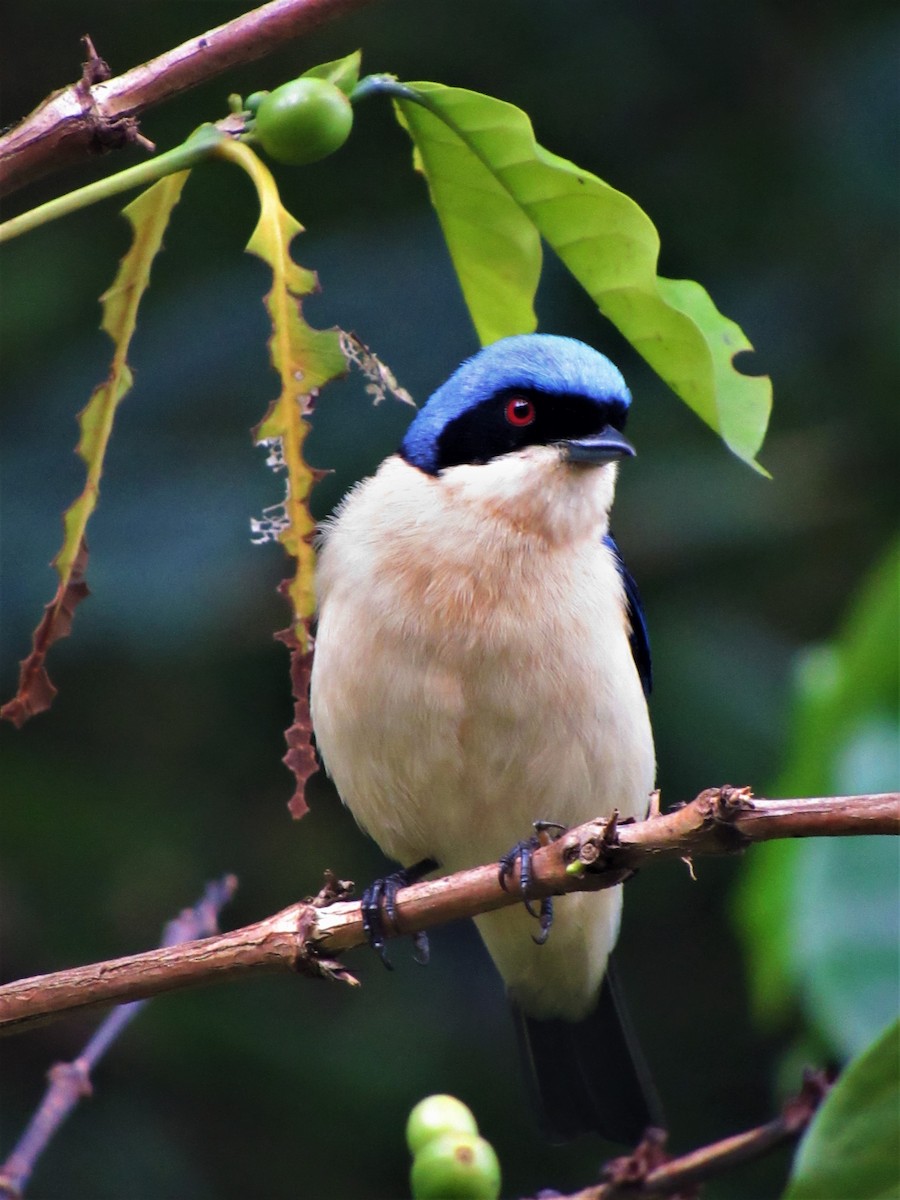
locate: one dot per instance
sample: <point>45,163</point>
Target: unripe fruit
<point>456,1166</point>
<point>303,121</point>
<point>436,1115</point>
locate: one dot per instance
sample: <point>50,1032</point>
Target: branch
<point>98,113</point>
<point>649,1172</point>
<point>70,1082</point>
<point>305,937</point>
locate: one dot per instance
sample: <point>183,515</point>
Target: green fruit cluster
<point>301,121</point>
<point>450,1160</point>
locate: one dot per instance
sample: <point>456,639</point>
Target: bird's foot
<point>522,854</point>
<point>379,909</point>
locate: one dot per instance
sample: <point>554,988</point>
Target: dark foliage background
<point>762,141</point>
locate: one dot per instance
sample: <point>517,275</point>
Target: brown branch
<point>70,1082</point>
<point>649,1172</point>
<point>98,113</point>
<point>307,936</point>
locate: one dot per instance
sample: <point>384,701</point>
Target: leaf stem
<point>199,146</point>
<point>383,85</point>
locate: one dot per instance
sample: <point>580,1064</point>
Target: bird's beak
<point>605,446</point>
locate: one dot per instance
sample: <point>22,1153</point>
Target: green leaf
<point>495,248</point>
<point>149,216</point>
<point>343,72</point>
<point>851,1150</point>
<point>844,684</point>
<point>490,180</point>
<point>820,917</point>
<point>843,936</point>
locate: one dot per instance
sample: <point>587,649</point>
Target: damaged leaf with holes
<point>304,359</point>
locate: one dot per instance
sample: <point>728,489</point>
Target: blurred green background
<point>762,141</point>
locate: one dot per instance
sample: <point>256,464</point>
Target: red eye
<point>520,411</point>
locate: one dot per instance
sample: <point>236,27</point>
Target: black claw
<point>546,826</point>
<point>392,886</point>
<point>373,924</point>
<point>523,853</point>
<point>379,909</point>
<point>545,916</point>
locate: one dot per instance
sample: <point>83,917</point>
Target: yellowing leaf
<point>149,215</point>
<point>305,359</point>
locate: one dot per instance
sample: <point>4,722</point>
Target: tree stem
<point>100,114</point>
<point>198,147</point>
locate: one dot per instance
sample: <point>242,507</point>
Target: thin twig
<point>306,937</point>
<point>97,113</point>
<point>649,1172</point>
<point>70,1082</point>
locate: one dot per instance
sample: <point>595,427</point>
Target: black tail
<point>590,1076</point>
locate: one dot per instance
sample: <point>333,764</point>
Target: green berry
<point>303,121</point>
<point>436,1115</point>
<point>456,1166</point>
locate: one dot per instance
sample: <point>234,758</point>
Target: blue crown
<point>537,362</point>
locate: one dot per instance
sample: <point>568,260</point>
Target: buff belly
<point>456,707</point>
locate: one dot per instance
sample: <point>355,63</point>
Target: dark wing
<point>639,638</point>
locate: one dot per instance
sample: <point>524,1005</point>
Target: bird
<point>482,663</point>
